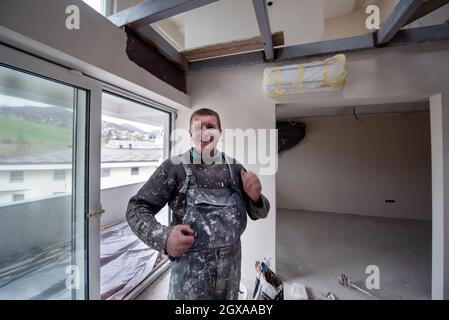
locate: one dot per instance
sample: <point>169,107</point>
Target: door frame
<point>28,63</point>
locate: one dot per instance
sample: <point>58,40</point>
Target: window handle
<point>97,212</point>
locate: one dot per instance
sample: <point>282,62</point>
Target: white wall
<point>380,76</point>
<point>345,166</point>
<point>121,175</point>
<point>439,118</point>
<point>36,184</point>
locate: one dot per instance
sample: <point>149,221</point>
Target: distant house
<point>50,174</point>
<point>133,144</point>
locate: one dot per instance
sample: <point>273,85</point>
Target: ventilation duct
<point>289,134</point>
<point>318,76</point>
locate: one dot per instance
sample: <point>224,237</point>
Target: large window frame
<point>91,146</point>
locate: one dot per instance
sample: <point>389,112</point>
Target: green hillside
<point>19,136</point>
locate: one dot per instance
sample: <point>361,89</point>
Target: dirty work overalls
<point>210,269</point>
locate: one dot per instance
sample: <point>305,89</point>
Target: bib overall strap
<point>233,180</point>
<point>189,177</point>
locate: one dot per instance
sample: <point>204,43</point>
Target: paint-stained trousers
<point>212,274</point>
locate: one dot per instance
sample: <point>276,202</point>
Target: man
<point>210,195</point>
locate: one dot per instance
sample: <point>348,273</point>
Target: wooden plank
<point>233,61</point>
<point>233,47</point>
<point>151,11</point>
<point>403,11</point>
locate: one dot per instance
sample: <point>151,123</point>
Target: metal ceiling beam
<point>287,53</point>
<point>325,47</point>
<point>428,7</point>
<point>152,11</point>
<point>261,9</point>
<point>403,11</point>
<point>436,33</point>
<point>233,61</point>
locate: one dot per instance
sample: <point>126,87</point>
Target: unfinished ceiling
<point>292,111</point>
<point>199,35</point>
<point>229,20</point>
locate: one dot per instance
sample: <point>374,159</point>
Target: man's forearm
<point>258,210</point>
<point>145,226</point>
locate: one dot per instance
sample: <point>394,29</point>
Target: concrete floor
<point>313,249</point>
<point>158,289</point>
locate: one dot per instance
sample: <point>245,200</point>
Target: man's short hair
<point>206,112</point>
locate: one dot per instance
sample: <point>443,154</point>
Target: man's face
<point>205,132</point>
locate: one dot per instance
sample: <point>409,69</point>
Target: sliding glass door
<point>49,181</point>
<point>135,141</point>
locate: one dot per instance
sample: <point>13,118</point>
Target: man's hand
<point>251,184</point>
<point>179,240</point>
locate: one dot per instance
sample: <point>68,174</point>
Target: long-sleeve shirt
<point>163,187</point>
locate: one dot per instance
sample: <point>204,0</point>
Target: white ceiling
<point>335,8</point>
<point>294,17</point>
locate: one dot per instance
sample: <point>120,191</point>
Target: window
<point>105,172</point>
<point>59,175</point>
<point>18,197</point>
<point>16,176</point>
<point>135,140</point>
<point>41,122</point>
<point>104,7</point>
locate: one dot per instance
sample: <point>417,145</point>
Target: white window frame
<point>28,63</point>
<point>35,65</point>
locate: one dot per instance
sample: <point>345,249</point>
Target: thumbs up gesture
<point>251,184</point>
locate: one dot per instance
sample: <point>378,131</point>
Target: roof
<point>108,155</point>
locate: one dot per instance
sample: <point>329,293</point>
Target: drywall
<point>380,76</point>
<point>97,49</point>
<point>345,166</point>
<point>348,25</point>
<point>439,117</point>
